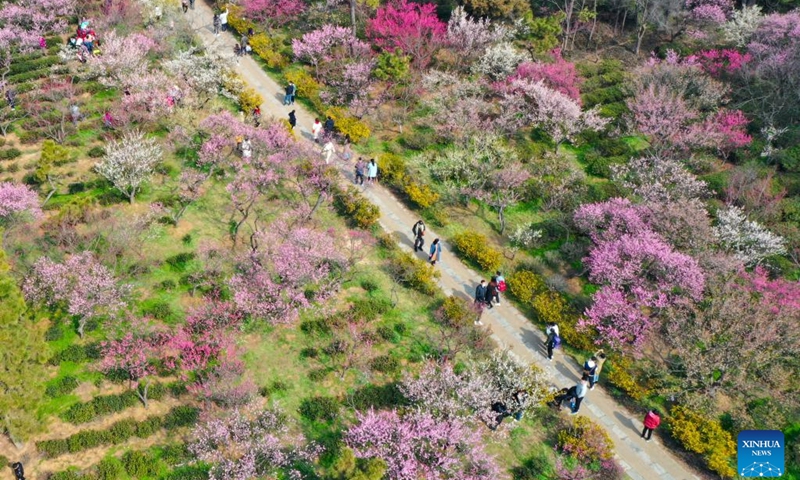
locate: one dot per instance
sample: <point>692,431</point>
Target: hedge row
<point>77,354</point>
<point>108,404</point>
<point>34,64</point>
<point>118,432</point>
<point>137,464</point>
<point>476,248</point>
<point>62,386</point>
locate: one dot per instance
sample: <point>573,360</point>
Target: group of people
<point>370,168</point>
<point>220,22</point>
<point>435,251</point>
<point>243,47</point>
<point>85,42</point>
<point>318,128</point>
<point>489,294</point>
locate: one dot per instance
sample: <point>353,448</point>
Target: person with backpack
<point>553,339</point>
<point>288,92</point>
<point>501,285</point>
<point>329,125</point>
<point>419,226</point>
<point>589,371</point>
<point>651,421</point>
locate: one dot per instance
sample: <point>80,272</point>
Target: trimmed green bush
<point>99,406</point>
<point>76,354</point>
<point>10,154</point>
<point>181,417</point>
<point>96,152</point>
<point>110,469</point>
<point>63,386</point>
<point>377,396</point>
<point>139,464</point>
<point>319,408</point>
<point>370,308</point>
<point>475,247</point>
<point>180,261</point>
<point>385,364</point>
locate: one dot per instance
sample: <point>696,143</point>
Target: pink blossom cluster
<point>712,11</point>
<point>327,44</point>
<point>722,61</point>
<point>417,445</point>
<point>18,201</point>
<point>246,443</point>
<point>274,283</point>
<point>640,272</point>
<point>273,12</point>
<point>782,296</point>
<point>85,287</point>
<point>133,354</point>
<point>559,75</point>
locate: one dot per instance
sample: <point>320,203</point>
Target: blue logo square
<point>761,453</point>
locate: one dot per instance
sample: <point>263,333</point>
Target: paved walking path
<point>642,461</point>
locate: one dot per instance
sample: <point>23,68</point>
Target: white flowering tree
<point>742,25</point>
<point>204,73</point>
<point>747,240</point>
<point>470,36</point>
<point>128,163</point>
<point>500,61</point>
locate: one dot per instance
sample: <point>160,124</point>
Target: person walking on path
<point>293,90</point>
<point>599,358</point>
<point>553,339</point>
<point>328,150</point>
<point>501,285</point>
<point>223,20</point>
<point>651,421</point>
<point>191,4</point>
<point>418,230</point>
<point>288,92</point>
<point>329,125</point>
<point>316,129</point>
<point>580,392</point>
<point>108,120</point>
<point>347,152</point>
<point>292,119</point>
<point>185,5</point>
<point>480,292</point>
<point>372,171</point>
<point>435,252</point>
<point>589,370</point>
<point>360,172</point>
<point>491,292</point>
<point>217,23</point>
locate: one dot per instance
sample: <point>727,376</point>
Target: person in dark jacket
<point>419,231</point>
<point>491,291</point>
<point>651,421</point>
<point>292,119</point>
<point>329,125</point>
<point>287,97</point>
<point>480,292</point>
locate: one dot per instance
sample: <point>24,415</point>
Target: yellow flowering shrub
<point>250,99</point>
<point>393,168</point>
<point>525,285</point>
<point>351,204</point>
<point>619,374</point>
<point>414,273</point>
<point>307,87</point>
<point>700,434</point>
<point>264,47</point>
<point>236,19</point>
<point>585,440</point>
<point>475,247</point>
<point>347,125</point>
<point>422,195</point>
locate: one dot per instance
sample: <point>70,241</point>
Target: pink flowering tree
<point>723,61</point>
<point>248,442</point>
<point>134,354</point>
<point>17,204</point>
<point>273,13</point>
<point>715,12</point>
<point>469,36</point>
<point>640,272</point>
<point>226,384</point>
<point>329,45</point>
<point>525,103</point>
<point>81,285</point>
<point>417,445</point>
<point>413,28</point>
<point>290,269</point>
<point>559,75</point>
<point>124,59</point>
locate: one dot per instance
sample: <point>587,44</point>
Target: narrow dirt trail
<point>641,460</point>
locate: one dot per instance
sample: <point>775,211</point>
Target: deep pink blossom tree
<point>419,446</point>
<point>413,28</point>
<point>83,286</point>
<point>273,13</point>
<point>723,61</point>
<point>609,220</point>
<point>559,75</point>
<point>134,353</point>
<point>18,203</point>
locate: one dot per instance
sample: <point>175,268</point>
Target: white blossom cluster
<point>748,240</point>
<point>499,61</point>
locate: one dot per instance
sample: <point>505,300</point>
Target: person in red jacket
<point>651,421</point>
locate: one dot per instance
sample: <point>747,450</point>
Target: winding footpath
<point>641,461</point>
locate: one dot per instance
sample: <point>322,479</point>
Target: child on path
<point>316,129</point>
<point>292,119</point>
<point>360,172</point>
<point>651,421</point>
<point>435,252</point>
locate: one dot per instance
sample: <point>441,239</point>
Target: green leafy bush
<point>319,408</point>
<point>181,417</point>
<point>96,152</point>
<point>139,464</point>
<point>158,309</point>
<point>62,386</point>
<point>10,154</point>
<point>352,205</point>
<point>76,354</point>
<point>370,308</point>
<point>180,261</point>
<point>110,469</point>
<point>414,273</point>
<point>385,364</point>
<point>67,475</point>
<point>386,332</point>
<point>369,284</point>
<point>377,396</point>
<point>475,247</point>
<point>99,406</point>
<point>188,472</point>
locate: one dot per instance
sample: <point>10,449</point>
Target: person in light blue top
<point>435,252</point>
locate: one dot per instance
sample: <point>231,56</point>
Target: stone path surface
<point>641,460</point>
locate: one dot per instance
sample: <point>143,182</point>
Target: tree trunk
<point>353,16</point>
<point>502,218</point>
<point>142,393</point>
<point>639,36</point>
<point>81,326</point>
